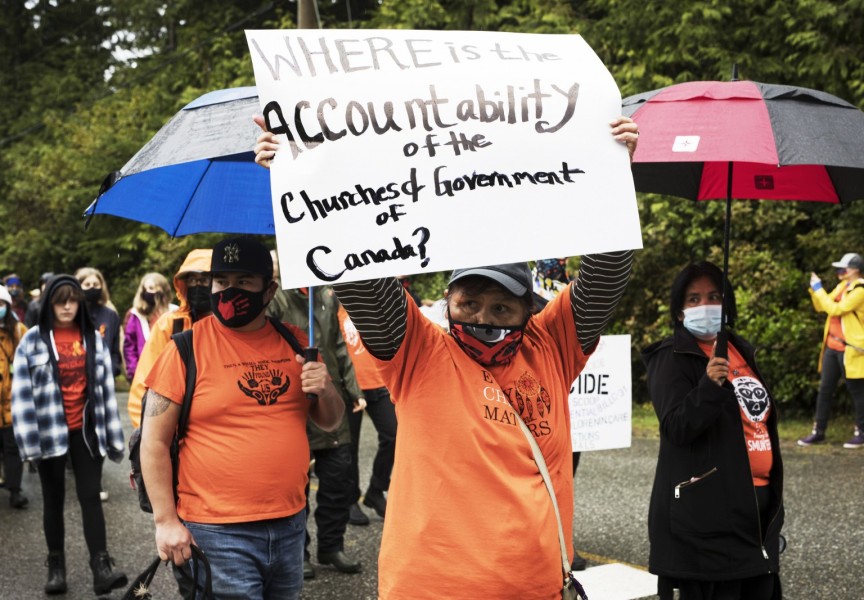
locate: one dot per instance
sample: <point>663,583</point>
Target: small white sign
<point>601,409</point>
<point>685,143</point>
<point>417,151</point>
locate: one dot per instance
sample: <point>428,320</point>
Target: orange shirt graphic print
<point>263,384</point>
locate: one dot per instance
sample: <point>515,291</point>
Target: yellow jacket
<point>851,312</point>
<point>8,343</point>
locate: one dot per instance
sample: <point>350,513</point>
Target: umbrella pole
<point>721,349</point>
<point>311,353</point>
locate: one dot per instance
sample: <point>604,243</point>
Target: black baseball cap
<point>513,277</point>
<point>241,255</point>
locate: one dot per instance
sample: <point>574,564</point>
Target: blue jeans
<point>257,560</point>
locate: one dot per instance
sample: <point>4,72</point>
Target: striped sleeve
<point>598,289</point>
<point>379,311</point>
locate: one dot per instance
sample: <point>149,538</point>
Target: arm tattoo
<point>155,404</point>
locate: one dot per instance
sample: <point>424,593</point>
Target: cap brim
<point>507,282</point>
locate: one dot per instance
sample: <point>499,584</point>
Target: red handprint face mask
<point>235,307</point>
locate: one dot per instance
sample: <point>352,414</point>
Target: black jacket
<point>711,531</point>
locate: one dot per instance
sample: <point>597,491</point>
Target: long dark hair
<point>691,273</point>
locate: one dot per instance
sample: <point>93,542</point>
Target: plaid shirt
<point>38,417</point>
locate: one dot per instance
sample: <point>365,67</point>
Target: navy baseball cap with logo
<point>241,255</point>
<point>513,277</point>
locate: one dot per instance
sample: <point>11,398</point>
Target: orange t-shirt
<point>245,455</point>
<point>755,405</point>
<point>468,505</point>
<point>71,361</point>
<point>365,367</point>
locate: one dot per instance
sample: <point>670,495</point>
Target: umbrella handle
<point>311,355</point>
<point>721,350</point>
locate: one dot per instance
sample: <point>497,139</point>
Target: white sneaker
<point>103,496</point>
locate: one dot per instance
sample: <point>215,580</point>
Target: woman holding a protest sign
<point>717,504</point>
<point>469,515</point>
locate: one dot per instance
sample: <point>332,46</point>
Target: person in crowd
<point>31,317</point>
<point>716,507</point>
<point>244,460</point>
<point>104,316</point>
<point>330,449</point>
<point>842,355</point>
<point>550,278</point>
<point>382,412</point>
<point>15,287</point>
<point>457,397</point>
<point>64,408</point>
<point>11,332</point>
<point>192,286</point>
<point>152,300</point>
<point>102,312</point>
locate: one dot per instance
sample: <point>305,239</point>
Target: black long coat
<point>711,530</point>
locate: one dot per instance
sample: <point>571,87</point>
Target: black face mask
<point>149,298</point>
<point>235,307</point>
<point>198,297</point>
<point>93,295</point>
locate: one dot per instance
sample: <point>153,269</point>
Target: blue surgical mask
<point>3,311</point>
<point>703,321</point>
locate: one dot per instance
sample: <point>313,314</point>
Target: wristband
<point>816,286</point>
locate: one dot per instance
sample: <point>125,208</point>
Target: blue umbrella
<point>197,174</point>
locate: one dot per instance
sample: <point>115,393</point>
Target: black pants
<point>12,467</point>
<point>334,498</point>
<point>760,587</point>
<point>383,415</point>
<point>88,475</point>
<point>832,372</point>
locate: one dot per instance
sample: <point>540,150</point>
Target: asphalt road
<point>824,508</point>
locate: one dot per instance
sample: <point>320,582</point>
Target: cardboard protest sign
<point>416,151</point>
<point>601,408</point>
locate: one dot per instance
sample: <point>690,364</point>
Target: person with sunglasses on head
<point>842,355</point>
<point>716,506</point>
<point>467,501</point>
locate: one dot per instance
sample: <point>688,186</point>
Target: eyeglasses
<point>841,271</point>
<point>195,280</point>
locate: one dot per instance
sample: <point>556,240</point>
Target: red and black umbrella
<point>747,140</point>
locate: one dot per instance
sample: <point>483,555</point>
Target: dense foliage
<point>76,107</point>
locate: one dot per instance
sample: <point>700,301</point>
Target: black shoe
<point>56,564</point>
<point>340,561</point>
<point>374,499</point>
<point>308,569</point>
<point>105,578</point>
<point>356,516</point>
<point>579,563</point>
<point>18,500</point>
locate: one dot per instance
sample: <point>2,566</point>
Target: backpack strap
<point>289,337</point>
<point>177,325</point>
<point>183,340</point>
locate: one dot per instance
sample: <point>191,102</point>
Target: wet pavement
<point>824,512</point>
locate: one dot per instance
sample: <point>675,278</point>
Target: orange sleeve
<point>557,319</point>
<point>168,375</point>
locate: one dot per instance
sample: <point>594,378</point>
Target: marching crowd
<point>480,395</point>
